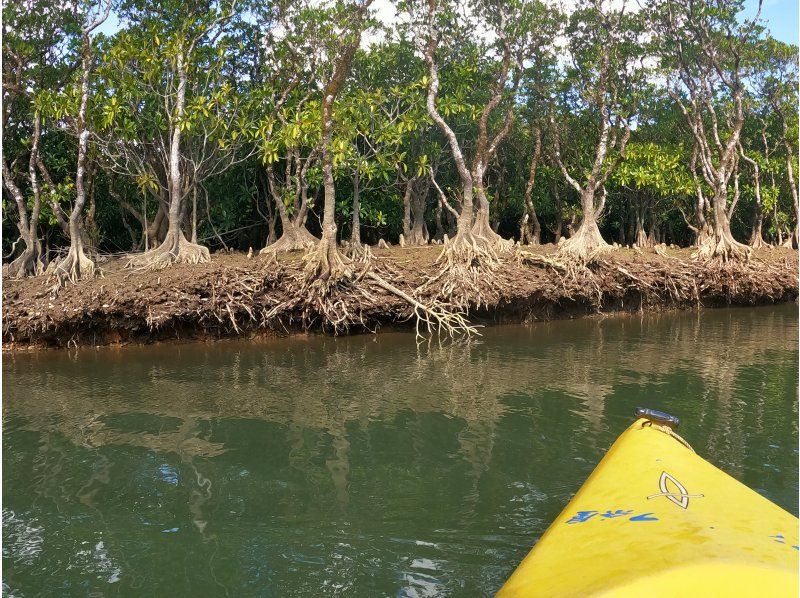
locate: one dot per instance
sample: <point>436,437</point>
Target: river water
<point>363,466</point>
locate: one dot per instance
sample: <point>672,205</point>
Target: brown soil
<point>233,295</point>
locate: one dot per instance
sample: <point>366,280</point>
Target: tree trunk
<point>61,217</point>
<point>175,248</point>
<point>587,240</point>
<point>407,209</point>
<point>90,230</point>
<point>414,229</point>
<point>76,265</point>
<point>419,230</point>
<point>485,148</point>
<point>640,237</point>
<point>30,260</point>
<point>721,243</point>
<point>466,247</point>
<point>558,229</point>
<point>703,230</point>
<point>294,234</point>
<point>194,214</point>
<point>271,217</point>
<point>272,236</point>
<point>328,264</point>
<point>530,231</point>
<point>625,217</point>
<point>145,230</point>
<point>792,183</point>
<point>158,228</point>
<point>654,238</point>
<point>325,264</point>
<point>439,235</point>
<point>482,226</point>
<point>756,236</point>
<point>355,233</point>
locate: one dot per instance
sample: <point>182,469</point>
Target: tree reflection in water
<point>365,463</point>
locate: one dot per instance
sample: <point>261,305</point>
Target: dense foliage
<point>184,125</point>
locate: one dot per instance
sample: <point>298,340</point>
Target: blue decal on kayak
<point>618,513</point>
<point>778,538</point>
<point>644,517</point>
<point>582,516</point>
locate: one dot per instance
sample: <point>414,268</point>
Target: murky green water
<point>361,466</point>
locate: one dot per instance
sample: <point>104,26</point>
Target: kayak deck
<point>655,519</point>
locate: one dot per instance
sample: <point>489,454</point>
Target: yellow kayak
<point>655,519</point>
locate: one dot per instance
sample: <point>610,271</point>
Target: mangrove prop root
<point>586,245</point>
<point>74,266</point>
<point>723,248</point>
<point>329,278</point>
<point>238,296</point>
<point>358,252</point>
<point>324,266</point>
<point>296,240</point>
<point>528,258</point>
<point>571,271</point>
<point>483,231</point>
<point>175,249</point>
<point>435,316</point>
<point>27,264</point>
<point>660,250</point>
<point>468,264</point>
<point>758,242</point>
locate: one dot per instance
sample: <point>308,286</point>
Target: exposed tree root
<point>324,264</point>
<point>725,248</point>
<point>175,249</point>
<point>533,259</point>
<point>337,287</point>
<point>295,240</point>
<point>758,242</point>
<point>329,278</point>
<point>357,251</point>
<point>29,263</point>
<point>571,273</point>
<point>234,295</point>
<point>470,250</point>
<point>366,256</point>
<point>415,238</point>
<point>585,245</point>
<point>483,230</point>
<point>435,316</point>
<point>642,241</point>
<point>74,266</point>
<point>469,264</point>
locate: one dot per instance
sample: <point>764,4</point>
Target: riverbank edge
<point>234,296</point>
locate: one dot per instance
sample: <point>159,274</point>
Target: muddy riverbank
<point>236,296</point>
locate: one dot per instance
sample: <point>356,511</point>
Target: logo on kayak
<point>680,498</point>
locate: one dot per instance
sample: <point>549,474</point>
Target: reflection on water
<point>362,465</point>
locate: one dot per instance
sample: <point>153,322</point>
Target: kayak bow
<point>655,519</point>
